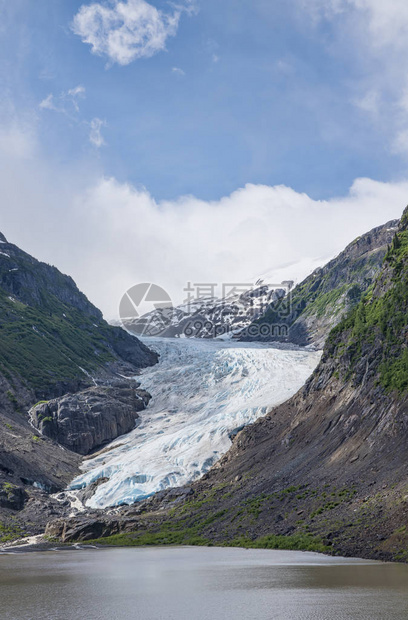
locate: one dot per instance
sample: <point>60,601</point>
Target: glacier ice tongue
<point>202,392</point>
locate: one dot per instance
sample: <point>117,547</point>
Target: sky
<point>192,141</point>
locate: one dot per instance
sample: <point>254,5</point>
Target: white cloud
<point>377,32</point>
<point>66,102</point>
<point>95,135</point>
<point>126,31</point>
<point>400,143</point>
<point>74,94</point>
<point>77,91</point>
<point>18,142</point>
<point>131,238</point>
<point>178,71</point>
<point>48,103</point>
<point>110,235</point>
<point>370,102</point>
<point>387,22</point>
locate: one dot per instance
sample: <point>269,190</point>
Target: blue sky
<point>264,98</point>
<point>200,99</point>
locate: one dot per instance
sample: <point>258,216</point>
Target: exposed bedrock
<point>88,419</point>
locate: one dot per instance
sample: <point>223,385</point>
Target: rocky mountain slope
<point>318,303</point>
<point>52,337</point>
<point>302,316</point>
<point>327,470</point>
<point>208,317</point>
<point>54,344</point>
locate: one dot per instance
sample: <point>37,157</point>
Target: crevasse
<point>202,391</point>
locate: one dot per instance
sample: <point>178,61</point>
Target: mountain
<point>54,344</point>
<point>207,317</point>
<point>325,471</point>
<point>51,337</point>
<point>302,316</point>
<point>331,463</point>
<point>318,303</point>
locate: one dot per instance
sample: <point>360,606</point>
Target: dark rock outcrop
<point>88,419</point>
<point>207,317</point>
<point>82,528</point>
<point>12,497</point>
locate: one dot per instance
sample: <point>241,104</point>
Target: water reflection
<point>199,584</point>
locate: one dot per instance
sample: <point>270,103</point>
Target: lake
<point>198,584</point>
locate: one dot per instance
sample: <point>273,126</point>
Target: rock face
<point>316,305</point>
<point>207,317</point>
<point>12,497</point>
<point>26,457</point>
<point>88,419</point>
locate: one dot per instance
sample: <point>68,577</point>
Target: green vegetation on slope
<point>51,336</point>
<point>164,538</point>
<point>250,522</point>
<point>378,325</point>
<point>8,532</point>
<point>322,298</point>
<point>47,348</point>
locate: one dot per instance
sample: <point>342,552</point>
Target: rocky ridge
<point>317,304</point>
<point>208,317</point>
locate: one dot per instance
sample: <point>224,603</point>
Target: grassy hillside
<point>51,336</point>
<point>377,329</point>
<point>49,348</point>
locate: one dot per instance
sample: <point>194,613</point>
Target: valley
<point>234,443</point>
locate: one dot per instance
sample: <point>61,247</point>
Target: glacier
<point>203,392</point>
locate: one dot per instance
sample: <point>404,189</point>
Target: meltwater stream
<point>202,392</point>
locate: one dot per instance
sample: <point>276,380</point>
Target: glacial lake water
<point>199,584</point>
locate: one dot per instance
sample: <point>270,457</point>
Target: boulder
<point>12,497</point>
<point>91,418</point>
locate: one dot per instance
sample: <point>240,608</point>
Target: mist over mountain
<point>303,315</point>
